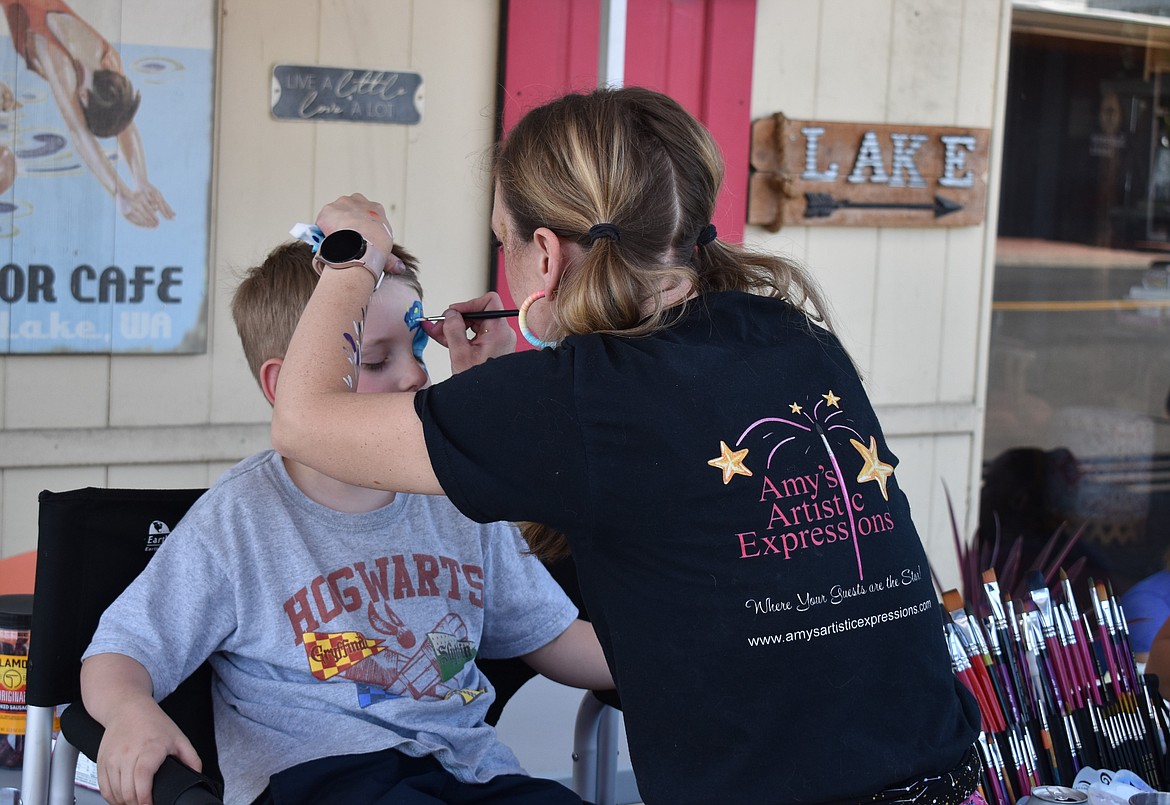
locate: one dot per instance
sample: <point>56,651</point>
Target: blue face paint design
<point>309,233</point>
<point>414,315</point>
<point>413,320</point>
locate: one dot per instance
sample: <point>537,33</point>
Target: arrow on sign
<point>822,205</point>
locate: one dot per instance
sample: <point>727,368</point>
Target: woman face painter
<point>691,429</point>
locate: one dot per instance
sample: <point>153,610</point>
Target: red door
<point>697,51</point>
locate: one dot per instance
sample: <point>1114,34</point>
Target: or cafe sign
<point>807,173</point>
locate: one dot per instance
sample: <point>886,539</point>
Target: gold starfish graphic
<point>832,399</point>
<point>794,408</point>
<point>730,461</point>
<point>873,469</point>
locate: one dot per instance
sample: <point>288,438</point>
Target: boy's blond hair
<point>270,299</point>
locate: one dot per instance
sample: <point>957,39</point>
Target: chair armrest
<point>38,755</point>
<point>186,786</point>
<point>175,783</point>
<point>595,748</point>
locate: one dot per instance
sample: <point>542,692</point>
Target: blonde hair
<point>271,297</point>
<point>637,160</point>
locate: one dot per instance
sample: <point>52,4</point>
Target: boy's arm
<point>573,658</point>
<point>116,690</point>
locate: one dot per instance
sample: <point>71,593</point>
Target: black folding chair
<point>91,544</point>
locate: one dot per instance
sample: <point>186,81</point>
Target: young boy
<point>341,622</point>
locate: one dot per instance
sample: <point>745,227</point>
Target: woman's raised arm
<point>371,440</point>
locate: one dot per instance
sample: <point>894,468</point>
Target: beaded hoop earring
<point>522,320</point>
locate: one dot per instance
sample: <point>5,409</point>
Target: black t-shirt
<point>744,550</point>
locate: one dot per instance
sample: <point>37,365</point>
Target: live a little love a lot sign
<point>311,92</point>
<point>816,173</point>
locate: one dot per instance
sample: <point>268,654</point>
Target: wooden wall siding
<point>181,420</point>
<point>911,305</point>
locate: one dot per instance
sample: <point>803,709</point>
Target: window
<point>1078,403</point>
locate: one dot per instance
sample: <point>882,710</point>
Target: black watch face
<point>342,246</point>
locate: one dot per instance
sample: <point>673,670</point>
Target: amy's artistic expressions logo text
<point>810,509</point>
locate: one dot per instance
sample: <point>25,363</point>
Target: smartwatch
<point>346,248</point>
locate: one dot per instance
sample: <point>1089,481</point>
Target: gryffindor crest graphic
<point>394,664</point>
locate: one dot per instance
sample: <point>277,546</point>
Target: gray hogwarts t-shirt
<point>335,633</point>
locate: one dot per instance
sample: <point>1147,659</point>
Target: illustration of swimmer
<point>95,98</point>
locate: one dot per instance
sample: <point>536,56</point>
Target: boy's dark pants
<point>392,778</point>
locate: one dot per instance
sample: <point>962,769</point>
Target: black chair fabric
<point>91,544</point>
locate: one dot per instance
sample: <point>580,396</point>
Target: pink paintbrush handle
<point>1084,664</point>
<point>1107,650</point>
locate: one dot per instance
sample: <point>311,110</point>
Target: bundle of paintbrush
<point>1055,691</point>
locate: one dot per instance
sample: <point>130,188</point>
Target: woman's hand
<point>367,217</point>
<point>490,338</point>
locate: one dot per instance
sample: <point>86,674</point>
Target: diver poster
<point>105,175</point>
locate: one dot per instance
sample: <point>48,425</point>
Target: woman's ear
<point>269,374</point>
<point>552,258</point>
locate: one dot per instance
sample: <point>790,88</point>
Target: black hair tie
<point>603,231</point>
<point>708,234</point>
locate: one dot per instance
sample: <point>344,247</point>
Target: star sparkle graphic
<point>731,462</point>
<point>874,469</point>
<point>808,430</point>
